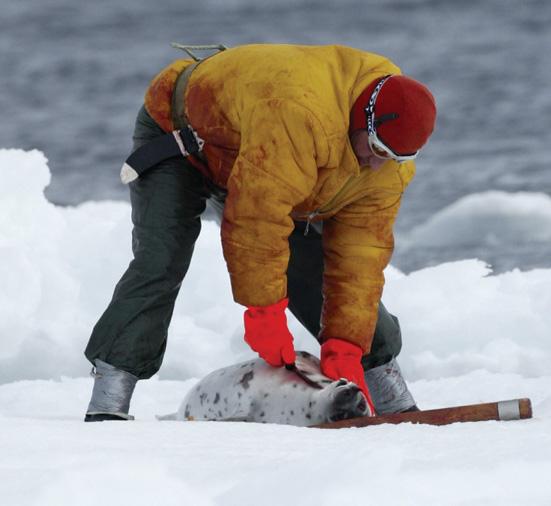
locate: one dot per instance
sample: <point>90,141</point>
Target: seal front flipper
<point>308,369</point>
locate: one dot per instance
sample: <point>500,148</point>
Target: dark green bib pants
<point>167,204</point>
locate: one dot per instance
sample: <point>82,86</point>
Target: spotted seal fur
<point>253,391</point>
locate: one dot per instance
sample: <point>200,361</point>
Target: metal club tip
<point>509,410</point>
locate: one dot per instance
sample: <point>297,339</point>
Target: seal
<point>253,391</point>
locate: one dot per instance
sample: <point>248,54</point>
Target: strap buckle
<point>188,141</point>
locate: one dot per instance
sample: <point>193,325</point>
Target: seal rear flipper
<point>164,418</point>
<point>234,419</point>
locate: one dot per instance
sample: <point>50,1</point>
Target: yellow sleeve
<point>282,145</point>
<point>358,244</point>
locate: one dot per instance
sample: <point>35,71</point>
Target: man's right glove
<point>266,333</point>
<point>342,359</point>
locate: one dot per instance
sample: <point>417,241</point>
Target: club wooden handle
<point>516,409</point>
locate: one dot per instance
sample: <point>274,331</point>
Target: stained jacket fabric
<point>275,122</point>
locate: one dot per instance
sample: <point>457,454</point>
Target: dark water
<point>73,74</point>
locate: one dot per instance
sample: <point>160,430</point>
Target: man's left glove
<point>266,333</point>
<point>342,359</point>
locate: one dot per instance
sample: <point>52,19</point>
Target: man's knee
<point>161,255</point>
<point>387,340</point>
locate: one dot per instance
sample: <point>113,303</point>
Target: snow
<point>493,216</point>
<point>469,336</point>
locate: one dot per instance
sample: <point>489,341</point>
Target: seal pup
<point>253,391</point>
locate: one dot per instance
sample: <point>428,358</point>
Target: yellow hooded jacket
<point>275,122</point>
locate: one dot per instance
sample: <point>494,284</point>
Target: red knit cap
<point>411,101</point>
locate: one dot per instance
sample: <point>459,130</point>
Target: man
<point>307,151</point>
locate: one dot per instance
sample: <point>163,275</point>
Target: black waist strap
<point>183,141</point>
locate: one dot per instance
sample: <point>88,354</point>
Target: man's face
<point>364,154</point>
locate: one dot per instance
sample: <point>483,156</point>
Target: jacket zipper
<point>309,218</point>
<point>327,206</point>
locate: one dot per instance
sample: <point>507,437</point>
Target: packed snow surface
<point>469,336</point>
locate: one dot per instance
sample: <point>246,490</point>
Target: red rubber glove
<point>342,359</point>
<point>266,333</point>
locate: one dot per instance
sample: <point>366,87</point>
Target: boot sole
<point>104,417</point>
